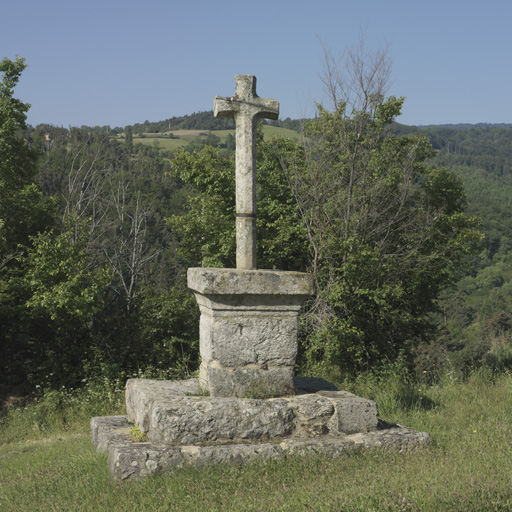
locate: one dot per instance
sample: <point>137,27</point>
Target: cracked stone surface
<point>168,414</point>
<point>132,461</point>
<point>187,428</point>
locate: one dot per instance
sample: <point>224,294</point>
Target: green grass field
<point>184,137</point>
<point>51,465</point>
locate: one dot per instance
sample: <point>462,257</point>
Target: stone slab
<point>132,461</point>
<point>352,413</point>
<point>228,281</point>
<point>169,413</point>
<point>204,419</point>
<point>141,394</point>
<point>238,341</point>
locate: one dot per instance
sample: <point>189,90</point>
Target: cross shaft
<point>246,107</point>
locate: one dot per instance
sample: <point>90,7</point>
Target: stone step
<point>170,414</point>
<point>129,460</point>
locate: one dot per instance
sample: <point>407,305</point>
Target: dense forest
<point>409,241</point>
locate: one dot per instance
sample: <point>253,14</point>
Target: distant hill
<point>206,121</point>
<point>195,121</point>
<point>466,126</point>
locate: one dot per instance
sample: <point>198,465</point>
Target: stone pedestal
<point>248,329</point>
<point>185,428</point>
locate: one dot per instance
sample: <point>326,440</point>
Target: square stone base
<point>248,329</point>
<point>170,413</point>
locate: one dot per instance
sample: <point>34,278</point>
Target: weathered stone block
<point>207,419</point>
<point>249,382</point>
<point>242,340</point>
<point>229,454</point>
<point>137,460</point>
<point>314,421</point>
<point>325,446</point>
<point>229,281</point>
<point>312,415</point>
<point>169,413</point>
<point>141,394</point>
<point>352,413</point>
<point>108,430</point>
<point>248,328</point>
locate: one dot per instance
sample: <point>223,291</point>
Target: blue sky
<point>121,62</point>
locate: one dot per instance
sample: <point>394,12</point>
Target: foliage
<point>206,229</point>
<point>22,212</point>
<point>387,234</point>
<point>97,291</point>
<point>382,233</point>
<point>64,297</point>
<point>60,281</point>
<point>478,310</point>
<point>101,290</point>
<point>137,436</point>
<point>47,412</point>
<point>169,328</point>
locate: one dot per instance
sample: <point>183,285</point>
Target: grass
<point>163,143</point>
<point>467,468</point>
<point>271,131</point>
<point>162,140</point>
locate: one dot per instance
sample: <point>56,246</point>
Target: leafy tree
<point>129,139</point>
<point>387,234</point>
<point>22,212</point>
<point>64,298</point>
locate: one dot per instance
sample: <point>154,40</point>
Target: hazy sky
<point>122,62</point>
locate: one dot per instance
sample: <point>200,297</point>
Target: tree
<point>129,139</point>
<point>22,211</point>
<point>23,214</point>
<point>206,229</point>
<point>387,234</point>
<point>386,231</point>
<point>87,285</point>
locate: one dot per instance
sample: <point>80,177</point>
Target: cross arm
<point>225,107</point>
<point>246,101</point>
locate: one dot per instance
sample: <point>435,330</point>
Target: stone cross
<point>246,107</point>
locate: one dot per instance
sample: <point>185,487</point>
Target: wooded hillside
<point>101,226</point>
